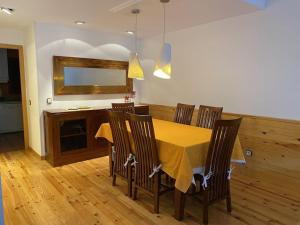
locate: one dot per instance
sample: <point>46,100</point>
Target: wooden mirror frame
<point>59,62</point>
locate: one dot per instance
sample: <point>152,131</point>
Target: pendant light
<point>135,70</point>
<point>163,64</point>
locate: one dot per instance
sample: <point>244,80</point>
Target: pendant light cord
<point>164,32</point>
<point>135,36</point>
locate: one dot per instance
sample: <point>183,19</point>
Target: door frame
<point>23,90</point>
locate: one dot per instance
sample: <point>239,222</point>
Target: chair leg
<point>156,203</point>
<point>111,163</point>
<point>228,203</point>
<point>114,180</point>
<point>156,192</point>
<point>205,207</point>
<point>134,197</point>
<point>205,214</point>
<point>228,199</point>
<point>129,181</point>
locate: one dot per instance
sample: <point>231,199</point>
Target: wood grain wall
<point>276,150</point>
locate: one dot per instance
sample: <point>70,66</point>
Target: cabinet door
<point>73,135</point>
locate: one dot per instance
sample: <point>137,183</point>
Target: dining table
<point>182,151</point>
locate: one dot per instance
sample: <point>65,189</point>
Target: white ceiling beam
<point>260,4</point>
<point>124,5</point>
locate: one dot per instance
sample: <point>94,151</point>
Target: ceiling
<point>99,16</point>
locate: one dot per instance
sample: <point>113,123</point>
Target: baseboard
<point>36,154</point>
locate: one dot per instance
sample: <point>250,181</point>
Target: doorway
<point>13,111</point>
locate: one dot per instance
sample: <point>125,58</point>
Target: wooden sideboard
<point>70,135</point>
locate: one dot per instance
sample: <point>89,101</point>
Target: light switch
<point>49,101</point>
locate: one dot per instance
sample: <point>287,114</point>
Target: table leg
<point>179,204</point>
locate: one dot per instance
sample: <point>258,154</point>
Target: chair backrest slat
<point>208,115</point>
<point>184,113</point>
<point>219,156</point>
<point>145,149</point>
<point>121,141</point>
<point>123,107</point>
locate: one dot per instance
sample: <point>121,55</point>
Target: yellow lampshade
<point>163,66</point>
<point>135,70</point>
<point>163,72</point>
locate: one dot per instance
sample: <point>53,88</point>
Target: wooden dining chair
<point>208,115</point>
<point>147,175</point>
<point>184,113</point>
<point>216,176</point>
<point>123,107</point>
<point>121,155</point>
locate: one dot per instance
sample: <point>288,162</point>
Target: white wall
<point>64,41</point>
<point>11,36</point>
<point>249,64</point>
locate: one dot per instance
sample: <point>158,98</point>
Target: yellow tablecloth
<point>181,149</point>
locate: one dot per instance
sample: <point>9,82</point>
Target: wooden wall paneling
<point>276,149</point>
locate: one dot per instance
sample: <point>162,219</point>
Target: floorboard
<point>34,193</point>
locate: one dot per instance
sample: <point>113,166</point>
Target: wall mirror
<point>75,76</point>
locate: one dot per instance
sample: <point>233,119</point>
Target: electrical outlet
<point>248,152</point>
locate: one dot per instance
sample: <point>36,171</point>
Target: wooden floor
<point>81,193</point>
